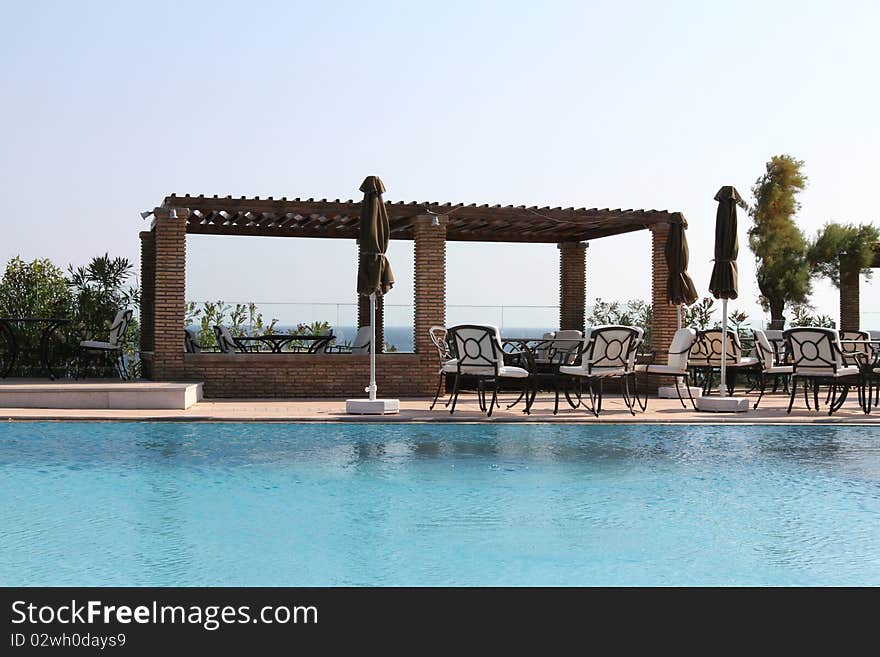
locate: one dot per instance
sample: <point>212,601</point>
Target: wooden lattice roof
<point>339,219</point>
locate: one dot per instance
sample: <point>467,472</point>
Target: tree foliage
<point>842,245</point>
<point>778,244</point>
<point>33,289</point>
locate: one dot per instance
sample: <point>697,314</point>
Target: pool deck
<point>666,411</point>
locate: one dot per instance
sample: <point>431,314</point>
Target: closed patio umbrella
<point>723,283</point>
<point>680,288</point>
<point>374,272</point>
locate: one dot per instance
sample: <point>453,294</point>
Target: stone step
<point>99,394</point>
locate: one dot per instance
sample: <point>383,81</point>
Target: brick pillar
<point>572,285</point>
<point>849,296</point>
<point>429,291</point>
<point>170,292</point>
<point>364,313</point>
<point>148,290</point>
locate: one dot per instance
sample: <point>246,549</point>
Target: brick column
<point>363,317</point>
<point>572,285</point>
<point>849,296</point>
<point>170,292</point>
<point>148,289</point>
<point>429,290</point>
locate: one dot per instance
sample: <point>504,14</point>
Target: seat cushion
<point>744,362</point>
<point>506,372</point>
<point>659,369</point>
<point>779,369</point>
<point>577,370</point>
<point>841,372</point>
<point>97,344</point>
<point>450,366</point>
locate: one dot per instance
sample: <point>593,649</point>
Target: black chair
<point>478,353</point>
<point>609,353</point>
<point>817,358</point>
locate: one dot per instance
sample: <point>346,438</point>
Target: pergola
<point>429,224</point>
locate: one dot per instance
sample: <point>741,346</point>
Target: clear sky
<point>109,106</point>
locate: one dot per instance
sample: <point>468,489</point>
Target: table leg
<point>44,348</point>
<point>13,348</point>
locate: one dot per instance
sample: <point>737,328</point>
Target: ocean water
<point>377,504</point>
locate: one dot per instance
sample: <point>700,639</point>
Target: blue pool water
<point>377,504</point>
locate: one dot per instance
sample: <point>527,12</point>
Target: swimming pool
<point>181,504</point>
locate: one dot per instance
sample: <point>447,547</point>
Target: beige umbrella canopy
<point>374,272</point>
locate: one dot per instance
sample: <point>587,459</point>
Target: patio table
<point>277,342</point>
<point>16,348</point>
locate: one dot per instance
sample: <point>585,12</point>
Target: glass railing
<point>517,321</point>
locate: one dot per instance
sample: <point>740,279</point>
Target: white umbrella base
<point>723,404</point>
<point>669,392</point>
<point>372,406</point>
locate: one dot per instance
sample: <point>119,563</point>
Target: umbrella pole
<point>372,388</point>
<point>678,316</point>
<point>722,391</point>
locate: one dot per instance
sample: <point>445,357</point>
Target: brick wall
<point>148,290</point>
<point>572,285</point>
<point>849,298</point>
<point>309,375</point>
<point>429,289</point>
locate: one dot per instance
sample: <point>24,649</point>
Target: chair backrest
<point>814,349</point>
<point>563,349</point>
<point>765,351</point>
<point>612,346</point>
<point>120,326</point>
<point>224,339</point>
<point>477,348</point>
<point>542,353</point>
<point>707,349</point>
<point>851,348</point>
<point>438,337</point>
<point>190,344</point>
<point>680,348</point>
<point>361,344</point>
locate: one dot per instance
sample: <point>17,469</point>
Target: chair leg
<point>494,397</point>
<point>629,401</point>
<point>793,392</point>
<point>762,381</point>
<point>439,386</point>
<point>677,392</point>
<point>454,396</point>
<point>690,396</point>
<point>598,404</point>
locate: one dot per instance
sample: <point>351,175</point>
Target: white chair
<point>478,353</point>
<point>225,341</point>
<point>448,364</point>
<point>112,348</point>
<point>608,353</point>
<point>676,364</point>
<point>817,358</point>
<point>190,344</point>
<point>361,344</point>
<point>768,361</point>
